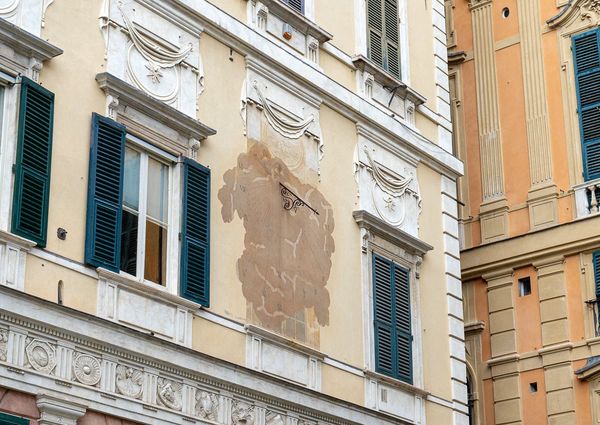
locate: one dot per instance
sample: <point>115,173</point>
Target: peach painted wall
<point>533,403</point>
<point>527,313</point>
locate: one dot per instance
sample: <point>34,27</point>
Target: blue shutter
<point>403,323</point>
<point>105,194</point>
<point>195,231</point>
<point>32,167</point>
<point>6,419</point>
<point>392,323</point>
<point>586,50</point>
<point>596,260</point>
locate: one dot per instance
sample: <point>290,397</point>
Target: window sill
<point>297,20</point>
<point>154,291</point>
<point>140,306</point>
<point>26,43</point>
<point>283,341</point>
<point>396,383</point>
<point>389,81</point>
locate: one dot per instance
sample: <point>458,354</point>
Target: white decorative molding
<point>157,54</point>
<point>398,399</point>
<point>150,381</point>
<point>26,14</point>
<point>146,307</point>
<point>587,198</point>
<point>290,128</point>
<point>387,183</point>
<point>277,356</point>
<point>55,410</point>
<point>13,255</point>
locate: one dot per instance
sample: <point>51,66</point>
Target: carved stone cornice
<point>128,95</point>
<point>474,4</point>
<point>586,9</point>
<point>396,236</point>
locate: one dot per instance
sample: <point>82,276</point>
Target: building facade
<point>228,212</point>
<point>524,99</point>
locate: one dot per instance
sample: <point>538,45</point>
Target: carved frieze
<point>274,418</point>
<point>3,344</point>
<point>207,405</point>
<point>243,413</point>
<point>87,369</point>
<point>169,393</point>
<point>41,355</point>
<point>129,381</point>
<point>582,10</point>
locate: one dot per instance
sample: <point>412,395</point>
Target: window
<point>383,35</point>
<point>128,223</point>
<point>144,224</point>
<point>32,165</point>
<point>524,286</point>
<point>6,419</point>
<point>586,49</point>
<point>295,4</point>
<point>392,319</point>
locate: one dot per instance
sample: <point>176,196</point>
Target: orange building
<point>525,98</point>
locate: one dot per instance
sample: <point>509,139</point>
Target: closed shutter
<point>32,167</point>
<point>596,260</point>
<point>383,35</point>
<point>105,194</point>
<point>6,419</point>
<point>295,4</point>
<point>586,49</point>
<point>393,337</point>
<point>195,231</point>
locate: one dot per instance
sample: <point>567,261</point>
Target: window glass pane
<point>131,183</point>
<point>156,253</point>
<point>129,238</point>
<point>158,178</point>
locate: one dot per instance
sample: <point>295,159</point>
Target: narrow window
<point>524,286</point>
<point>383,35</point>
<point>295,4</point>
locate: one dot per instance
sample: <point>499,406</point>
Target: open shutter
<point>385,341</point>
<point>105,194</point>
<point>596,261</point>
<point>195,231</point>
<point>375,31</point>
<point>32,167</point>
<point>6,419</point>
<point>392,37</point>
<point>403,325</point>
<point>586,49</point>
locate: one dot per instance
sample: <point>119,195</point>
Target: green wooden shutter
<point>586,50</point>
<point>105,193</point>
<point>403,323</point>
<point>32,167</point>
<point>195,231</point>
<point>295,4</point>
<point>6,419</point>
<point>383,35</point>
<point>392,323</point>
<point>596,261</point>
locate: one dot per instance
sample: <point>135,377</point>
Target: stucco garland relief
<point>393,196</point>
<point>9,8</point>
<point>587,10</point>
<point>287,254</point>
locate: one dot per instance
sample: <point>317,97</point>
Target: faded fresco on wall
<point>288,242</point>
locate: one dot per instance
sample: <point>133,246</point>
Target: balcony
<point>587,198</point>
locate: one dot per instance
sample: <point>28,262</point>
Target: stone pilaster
<point>553,301</point>
<point>558,378</point>
<point>507,400</point>
<point>501,302</point>
<point>542,199</point>
<point>494,210</point>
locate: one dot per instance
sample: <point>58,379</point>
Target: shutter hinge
<point>179,236</point>
<point>14,168</point>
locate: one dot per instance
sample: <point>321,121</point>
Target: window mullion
<point>143,206</point>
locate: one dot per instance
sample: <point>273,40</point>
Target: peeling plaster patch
<point>287,254</point>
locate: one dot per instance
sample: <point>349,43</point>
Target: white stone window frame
<point>407,251</point>
<point>157,128</point>
<point>148,150</point>
<point>361,37</point>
